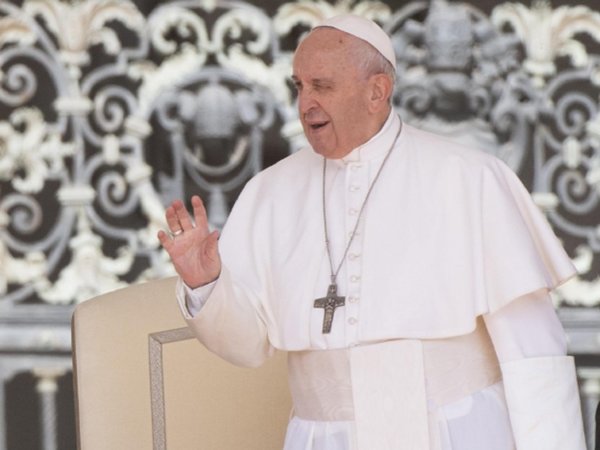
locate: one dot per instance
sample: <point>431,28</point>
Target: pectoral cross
<point>329,303</point>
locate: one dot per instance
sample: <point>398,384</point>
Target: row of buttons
<point>353,299</point>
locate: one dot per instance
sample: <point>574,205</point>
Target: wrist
<point>196,284</point>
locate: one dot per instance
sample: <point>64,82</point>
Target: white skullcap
<point>364,29</point>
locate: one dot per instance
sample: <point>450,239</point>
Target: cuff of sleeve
<point>543,403</point>
<point>191,300</point>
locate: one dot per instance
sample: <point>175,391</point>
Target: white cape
<point>448,234</point>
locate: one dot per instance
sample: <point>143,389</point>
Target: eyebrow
<point>320,81</point>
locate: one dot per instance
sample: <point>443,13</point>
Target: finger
<point>200,213</point>
<point>172,219</point>
<point>183,217</point>
<point>212,242</point>
<point>164,240</point>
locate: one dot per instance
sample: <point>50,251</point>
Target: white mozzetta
<point>438,212</point>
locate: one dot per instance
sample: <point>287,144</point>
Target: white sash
<point>390,404</point>
<point>386,387</point>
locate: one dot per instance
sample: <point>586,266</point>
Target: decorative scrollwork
<point>549,33</point>
<point>139,111</point>
<point>107,115</point>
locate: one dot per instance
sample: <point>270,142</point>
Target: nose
<point>306,101</point>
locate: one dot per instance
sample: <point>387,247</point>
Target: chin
<point>333,154</point>
<point>318,148</point>
<point>326,151</point>
<point>323,152</point>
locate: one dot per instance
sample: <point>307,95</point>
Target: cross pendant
<point>329,303</point>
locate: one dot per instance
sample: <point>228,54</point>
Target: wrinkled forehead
<point>366,31</point>
<point>325,39</point>
<point>325,45</point>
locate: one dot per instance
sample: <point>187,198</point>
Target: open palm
<point>192,247</point>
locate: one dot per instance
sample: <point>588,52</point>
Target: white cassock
<point>447,339</point>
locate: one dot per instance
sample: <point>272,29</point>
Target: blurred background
<point>111,109</point>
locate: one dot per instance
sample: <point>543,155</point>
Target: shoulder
<point>443,154</point>
<point>303,159</point>
<point>290,174</point>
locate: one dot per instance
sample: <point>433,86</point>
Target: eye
<point>320,87</point>
<point>295,84</point>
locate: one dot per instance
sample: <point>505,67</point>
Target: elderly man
<point>406,276</point>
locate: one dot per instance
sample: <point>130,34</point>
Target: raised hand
<point>192,248</point>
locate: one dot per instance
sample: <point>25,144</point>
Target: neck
<point>373,129</point>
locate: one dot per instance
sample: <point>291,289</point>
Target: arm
<point>229,324</point>
<point>229,321</point>
<point>540,382</point>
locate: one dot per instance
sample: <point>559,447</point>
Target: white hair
<point>371,62</point>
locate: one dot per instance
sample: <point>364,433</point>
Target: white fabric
<point>310,435</point>
<point>477,422</point>
<point>387,407</point>
<point>492,245</point>
<point>230,326</point>
<point>192,300</point>
<point>364,29</point>
<point>434,202</point>
<point>543,399</point>
<point>527,328</point>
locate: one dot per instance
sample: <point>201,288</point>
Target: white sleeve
<point>539,379</point>
<point>191,300</point>
<point>232,324</point>
<point>527,327</point>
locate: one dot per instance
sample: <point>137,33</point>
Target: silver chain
<point>335,273</point>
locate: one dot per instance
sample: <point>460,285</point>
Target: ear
<point>380,90</point>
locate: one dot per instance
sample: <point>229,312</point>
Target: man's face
<point>332,93</point>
